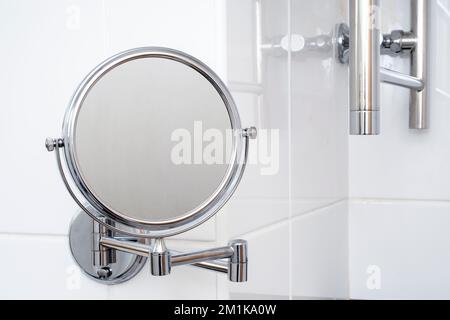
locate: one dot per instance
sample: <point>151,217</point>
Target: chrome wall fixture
<point>361,45</point>
<point>110,257</point>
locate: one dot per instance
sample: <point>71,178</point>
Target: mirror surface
<point>141,139</point>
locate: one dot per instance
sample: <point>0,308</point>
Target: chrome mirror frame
<point>100,212</point>
<point>112,248</point>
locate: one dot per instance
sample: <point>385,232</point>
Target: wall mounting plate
<point>81,239</point>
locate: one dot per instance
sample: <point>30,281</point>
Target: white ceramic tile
<point>317,17</point>
<point>274,18</point>
<point>399,250</point>
<point>188,26</point>
<point>184,283</point>
<point>319,110</point>
<point>320,254</point>
<point>395,15</point>
<point>262,196</point>
<point>49,46</point>
<point>204,232</point>
<point>241,44</point>
<point>268,266</point>
<point>249,107</point>
<point>41,267</point>
<point>440,32</point>
<point>241,216</point>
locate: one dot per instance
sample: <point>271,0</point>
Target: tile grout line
<point>222,60</point>
<point>289,90</point>
<point>294,218</point>
<point>28,234</point>
<point>105,28</point>
<point>397,200</point>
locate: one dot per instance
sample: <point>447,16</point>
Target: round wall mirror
<point>153,144</point>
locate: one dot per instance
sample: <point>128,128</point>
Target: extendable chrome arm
<point>162,259</point>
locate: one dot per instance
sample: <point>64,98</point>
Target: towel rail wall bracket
<point>357,47</point>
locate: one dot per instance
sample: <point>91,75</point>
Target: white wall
<point>294,219</point>
<point>400,182</point>
<point>303,244</point>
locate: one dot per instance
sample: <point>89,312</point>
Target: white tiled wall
<point>408,244</point>
<point>295,220</point>
<point>400,182</point>
<point>287,216</point>
<point>307,239</point>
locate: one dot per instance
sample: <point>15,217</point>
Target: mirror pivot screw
<point>51,144</point>
<point>250,133</point>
